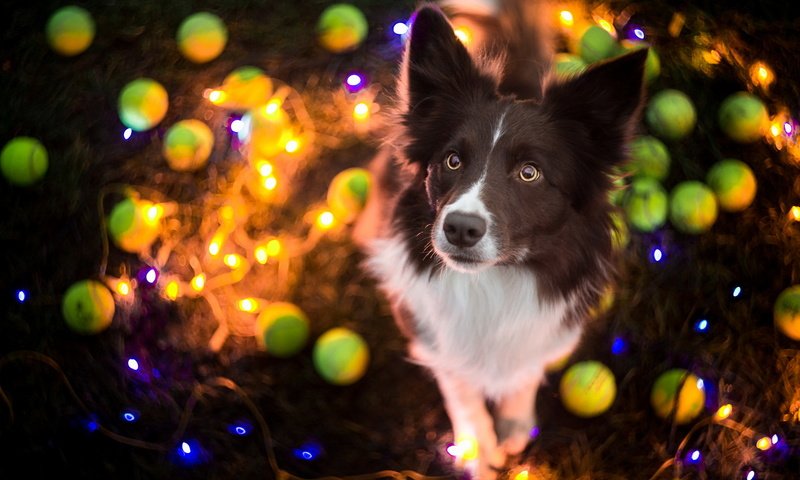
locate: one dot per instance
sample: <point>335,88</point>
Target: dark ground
<point>392,418</point>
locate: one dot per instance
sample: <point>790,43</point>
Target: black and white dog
<point>488,226</point>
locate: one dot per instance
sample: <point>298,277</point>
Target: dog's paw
<point>514,434</point>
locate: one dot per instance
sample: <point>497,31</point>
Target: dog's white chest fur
<point>488,328</point>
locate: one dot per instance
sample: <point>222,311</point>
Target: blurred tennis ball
<point>692,207</point>
<point>70,30</point>
<point>142,104</point>
<point>187,145</point>
<point>734,184</point>
<point>588,388</point>
<point>649,157</point>
<point>646,204</point>
<point>341,28</point>
<point>596,44</point>
<point>244,88</point>
<point>690,400</point>
<point>787,312</point>
<point>23,161</point>
<point>202,37</point>
<point>347,193</point>
<point>134,224</point>
<point>671,115</point>
<point>88,307</point>
<point>341,356</point>
<point>743,117</point>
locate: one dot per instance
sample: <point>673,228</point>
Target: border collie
<point>488,226</point>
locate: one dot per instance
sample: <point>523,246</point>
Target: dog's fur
<point>486,311</point>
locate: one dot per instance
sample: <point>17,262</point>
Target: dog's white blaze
<point>487,327</point>
<point>499,130</point>
<point>469,202</point>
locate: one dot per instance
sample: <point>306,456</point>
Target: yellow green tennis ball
<point>743,117</point>
<point>787,312</point>
<point>652,65</point>
<point>596,44</point>
<point>341,28</point>
<point>734,184</point>
<point>645,204</point>
<point>670,114</point>
<point>341,356</point>
<point>142,104</point>
<point>566,64</point>
<point>202,37</point>
<point>692,207</point>
<point>187,145</point>
<point>88,307</point>
<point>70,30</point>
<point>649,157</point>
<point>134,225</point>
<point>23,161</point>
<point>588,388</point>
<point>246,87</point>
<point>282,329</point>
<point>690,400</point>
<point>347,193</point>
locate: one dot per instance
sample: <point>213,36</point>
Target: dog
<point>488,227</point>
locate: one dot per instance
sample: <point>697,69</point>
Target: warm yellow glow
<point>274,247</point>
<point>361,111</point>
<point>264,168</point>
<point>123,287</point>
<point>172,290</point>
<point>248,305</point>
<point>467,448</point>
<point>198,282</point>
<point>463,34</point>
<point>153,214</point>
<point>764,444</point>
<point>794,213</point>
<point>217,97</point>
<point>325,220</point>
<point>216,243</point>
<point>712,57</point>
<point>566,18</point>
<point>261,254</point>
<point>607,26</point>
<point>523,475</point>
<point>272,106</point>
<point>270,183</point>
<point>232,260</point>
<point>775,129</point>
<point>292,146</point>
<point>761,74</point>
<point>724,412</point>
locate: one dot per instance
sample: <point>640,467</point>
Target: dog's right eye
<point>453,161</point>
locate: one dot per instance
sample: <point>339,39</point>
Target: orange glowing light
<point>272,107</point>
<point>233,260</point>
<point>292,146</point>
<point>264,168</point>
<point>607,26</point>
<point>724,412</point>
<point>764,444</point>
<point>466,448</point>
<point>523,475</point>
<point>270,183</point>
<point>172,290</point>
<point>248,305</point>
<point>123,287</point>
<point>274,247</point>
<point>775,129</point>
<point>361,111</point>
<point>198,282</point>
<point>566,18</point>
<point>325,220</point>
<point>794,213</point>
<point>213,248</point>
<point>153,214</point>
<point>712,57</point>
<point>261,254</point>
<point>217,97</point>
<point>463,34</point>
<point>761,74</point>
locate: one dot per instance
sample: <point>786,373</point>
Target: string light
<point>764,444</point>
<point>130,416</point>
<point>701,325</point>
<point>750,475</point>
<point>233,260</point>
<point>248,305</point>
<point>737,291</point>
<point>123,287</point>
<point>354,82</point>
<point>619,346</point>
<point>724,412</point>
<point>126,134</point>
<point>22,295</point>
<point>466,448</point>
<point>325,220</point>
<point>400,28</point>
<point>694,457</point>
<point>566,18</point>
<point>133,364</point>
<point>657,254</point>
<point>761,75</point>
<point>308,451</point>
<point>216,97</point>
<point>794,213</point>
<point>237,125</point>
<point>172,290</point>
<point>522,475</point>
<point>198,282</point>
<point>361,112</point>
<point>240,429</point>
<point>464,35</point>
<point>270,183</point>
<point>292,146</point>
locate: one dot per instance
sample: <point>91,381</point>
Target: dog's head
<point>508,180</point>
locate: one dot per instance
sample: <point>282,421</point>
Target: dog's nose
<point>463,229</point>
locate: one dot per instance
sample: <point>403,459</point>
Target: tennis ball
<point>246,87</point>
<point>690,400</point>
<point>341,356</point>
<point>187,145</point>
<point>692,207</point>
<point>566,64</point>
<point>88,307</point>
<point>341,28</point>
<point>347,193</point>
<point>649,157</point>
<point>282,329</point>
<point>652,65</point>
<point>588,388</point>
<point>620,236</point>
<point>670,114</point>
<point>596,44</point>
<point>645,204</point>
<point>787,312</point>
<point>734,184</point>
<point>70,30</point>
<point>267,130</point>
<point>23,161</point>
<point>201,37</point>
<point>142,104</point>
<point>743,117</point>
<point>134,225</point>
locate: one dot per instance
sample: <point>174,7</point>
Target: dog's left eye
<point>529,173</point>
<point>453,161</point>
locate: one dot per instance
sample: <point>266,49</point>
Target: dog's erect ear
<point>605,100</point>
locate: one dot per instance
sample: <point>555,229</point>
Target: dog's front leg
<point>473,428</point>
<point>516,417</point>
